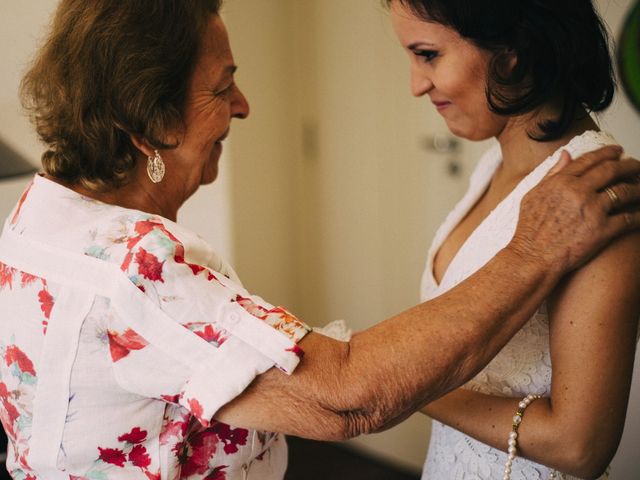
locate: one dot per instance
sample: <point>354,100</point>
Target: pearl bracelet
<point>513,436</point>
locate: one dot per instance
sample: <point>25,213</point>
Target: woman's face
<point>213,100</point>
<point>451,70</point>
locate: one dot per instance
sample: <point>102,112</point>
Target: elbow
<point>361,422</point>
<point>338,426</point>
<point>589,459</point>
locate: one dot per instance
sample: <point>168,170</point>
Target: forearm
<point>545,436</point>
<point>397,366</point>
<point>488,419</point>
<point>430,349</point>
<point>341,390</point>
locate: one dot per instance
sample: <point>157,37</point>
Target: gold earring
<point>155,167</point>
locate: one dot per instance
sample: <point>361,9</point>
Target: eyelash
<point>224,92</point>
<point>427,55</point>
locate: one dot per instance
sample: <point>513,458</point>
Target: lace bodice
<point>524,364</point>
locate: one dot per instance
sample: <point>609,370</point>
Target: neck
<point>521,154</point>
<point>138,194</point>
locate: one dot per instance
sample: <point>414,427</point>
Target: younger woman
<point>527,73</point>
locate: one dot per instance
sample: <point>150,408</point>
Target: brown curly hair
<point>109,69</point>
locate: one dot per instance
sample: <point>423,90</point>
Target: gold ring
<point>613,196</point>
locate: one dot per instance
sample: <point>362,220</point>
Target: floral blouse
<point>121,335</point>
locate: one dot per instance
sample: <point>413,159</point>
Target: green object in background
<point>629,56</point>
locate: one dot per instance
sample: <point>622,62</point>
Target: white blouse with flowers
<point>121,335</point>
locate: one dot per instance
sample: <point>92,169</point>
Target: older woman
<point>130,348</point>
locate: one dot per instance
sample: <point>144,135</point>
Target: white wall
<point>624,122</point>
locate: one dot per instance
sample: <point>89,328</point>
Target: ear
<point>511,59</point>
<point>142,145</point>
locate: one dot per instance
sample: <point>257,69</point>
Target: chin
<point>210,172</point>
<point>473,135</point>
<point>209,177</point>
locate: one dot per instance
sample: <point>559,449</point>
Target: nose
<point>420,82</point>
<point>239,105</point>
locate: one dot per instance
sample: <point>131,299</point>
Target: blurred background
<point>330,193</point>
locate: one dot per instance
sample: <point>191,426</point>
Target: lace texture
<point>524,365</point>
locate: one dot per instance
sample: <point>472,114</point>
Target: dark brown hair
<point>108,69</point>
<point>561,47</point>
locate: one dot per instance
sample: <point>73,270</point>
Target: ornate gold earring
<point>155,167</point>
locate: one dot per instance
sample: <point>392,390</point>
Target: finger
<point>565,159</point>
<point>606,173</point>
<point>621,223</point>
<point>589,160</point>
<point>620,197</point>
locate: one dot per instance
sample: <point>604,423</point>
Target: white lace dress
<point>524,364</point>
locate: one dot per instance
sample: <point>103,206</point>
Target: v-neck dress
<point>523,366</point>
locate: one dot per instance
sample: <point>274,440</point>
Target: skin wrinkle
<point>367,404</point>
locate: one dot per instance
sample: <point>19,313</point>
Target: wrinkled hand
<point>578,209</point>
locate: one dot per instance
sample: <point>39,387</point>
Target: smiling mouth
<point>441,105</point>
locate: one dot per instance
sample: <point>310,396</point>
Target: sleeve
<point>188,334</point>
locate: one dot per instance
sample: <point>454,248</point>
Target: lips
<point>441,105</point>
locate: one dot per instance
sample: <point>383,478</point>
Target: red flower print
<point>139,457</point>
<point>126,262</point>
<point>9,414</point>
<point>27,279</point>
<point>217,474</point>
<point>152,476</point>
<point>134,436</point>
<point>46,302</point>
<point>196,409</point>
<point>211,276</point>
<point>6,275</point>
<point>231,437</point>
<point>251,307</point>
<point>14,219</point>
<point>121,345</point>
<point>175,429</point>
<point>297,350</point>
<point>149,266</point>
<point>194,456</point>
<point>178,257</point>
<point>14,355</point>
<point>171,398</point>
<point>114,456</point>
<point>145,226</point>
<point>207,333</point>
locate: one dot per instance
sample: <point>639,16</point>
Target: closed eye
<point>225,91</point>
<point>427,55</point>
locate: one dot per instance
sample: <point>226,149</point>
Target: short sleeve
<point>188,334</point>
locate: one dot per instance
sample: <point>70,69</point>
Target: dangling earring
<point>155,167</point>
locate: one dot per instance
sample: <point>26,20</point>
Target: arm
<point>341,390</point>
<point>594,319</point>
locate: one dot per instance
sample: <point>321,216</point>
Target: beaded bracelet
<point>513,436</point>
